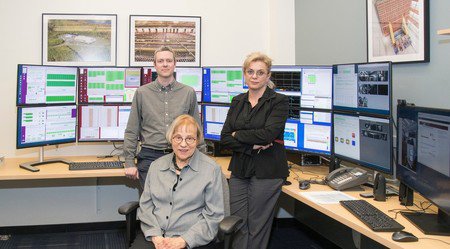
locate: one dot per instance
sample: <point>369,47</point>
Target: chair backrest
<point>226,195</point>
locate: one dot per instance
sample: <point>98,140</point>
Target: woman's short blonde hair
<point>183,120</point>
<point>258,56</point>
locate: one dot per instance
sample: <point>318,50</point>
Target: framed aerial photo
<point>398,31</point>
<point>79,39</point>
<point>181,33</point>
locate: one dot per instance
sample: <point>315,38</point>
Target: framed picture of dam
<point>79,39</point>
<point>181,33</point>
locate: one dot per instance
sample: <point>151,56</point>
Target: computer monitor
<point>423,162</point>
<point>317,84</point>
<point>364,87</point>
<point>46,85</point>
<point>148,75</point>
<point>221,84</point>
<point>108,84</point>
<point>193,77</point>
<point>288,82</point>
<point>310,134</point>
<point>46,125</point>
<point>102,122</point>
<point>213,119</point>
<point>364,140</point>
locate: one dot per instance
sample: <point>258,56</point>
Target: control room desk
<point>9,170</point>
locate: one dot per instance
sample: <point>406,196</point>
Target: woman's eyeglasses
<point>188,140</point>
<point>258,73</point>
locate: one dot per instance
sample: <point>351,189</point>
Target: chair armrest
<point>128,207</point>
<point>229,224</point>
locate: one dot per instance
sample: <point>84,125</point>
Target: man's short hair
<point>162,49</point>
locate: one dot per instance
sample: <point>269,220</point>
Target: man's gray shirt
<point>190,207</point>
<point>153,109</point>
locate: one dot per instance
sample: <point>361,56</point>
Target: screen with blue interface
<point>46,85</point>
<point>364,140</point>
<point>221,84</point>
<point>47,125</point>
<point>364,88</point>
<point>311,133</point>
<point>102,122</point>
<point>213,119</point>
<point>108,84</point>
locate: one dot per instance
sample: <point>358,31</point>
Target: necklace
<point>175,164</point>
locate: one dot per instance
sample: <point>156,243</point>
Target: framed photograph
<point>398,31</point>
<point>181,33</point>
<point>79,39</point>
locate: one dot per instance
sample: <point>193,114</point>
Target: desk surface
<point>10,170</point>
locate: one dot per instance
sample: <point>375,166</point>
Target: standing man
<point>154,107</point>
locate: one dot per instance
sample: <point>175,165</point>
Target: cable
<point>436,240</point>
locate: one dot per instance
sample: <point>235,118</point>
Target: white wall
<point>230,30</point>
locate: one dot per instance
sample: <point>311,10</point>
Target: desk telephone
<point>344,178</point>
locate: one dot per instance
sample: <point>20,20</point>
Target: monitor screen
<point>288,82</point>
<point>221,84</point>
<point>102,122</point>
<point>364,88</point>
<point>213,119</point>
<point>108,84</point>
<point>148,75</point>
<point>191,76</point>
<point>46,125</point>
<point>364,140</point>
<point>317,84</point>
<point>46,85</point>
<point>310,134</point>
<point>423,155</point>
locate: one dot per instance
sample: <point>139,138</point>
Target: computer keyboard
<point>95,165</point>
<point>371,216</point>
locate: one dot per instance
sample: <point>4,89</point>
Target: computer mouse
<point>303,185</point>
<point>403,236</point>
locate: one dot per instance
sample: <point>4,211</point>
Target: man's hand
<point>132,173</point>
<point>173,243</point>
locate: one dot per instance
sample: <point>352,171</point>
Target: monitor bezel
<point>19,145</point>
<point>364,164</point>
<point>364,111</point>
<point>47,104</point>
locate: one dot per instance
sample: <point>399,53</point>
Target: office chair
<point>227,227</point>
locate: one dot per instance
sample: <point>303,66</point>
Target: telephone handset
<point>348,177</point>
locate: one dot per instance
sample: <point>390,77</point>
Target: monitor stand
<point>30,165</point>
<point>430,224</point>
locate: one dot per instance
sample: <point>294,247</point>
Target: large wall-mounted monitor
<point>213,119</point>
<point>364,140</point>
<point>309,134</point>
<point>46,85</point>
<point>423,162</point>
<point>364,87</point>
<point>102,122</point>
<point>46,125</point>
<point>221,84</point>
<point>108,84</point>
<point>193,77</point>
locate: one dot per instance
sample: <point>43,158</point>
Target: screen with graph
<point>102,122</point>
<point>213,119</point>
<point>46,125</point>
<point>191,76</point>
<point>46,85</point>
<point>311,133</point>
<point>108,84</point>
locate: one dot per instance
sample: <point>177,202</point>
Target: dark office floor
<point>286,234</point>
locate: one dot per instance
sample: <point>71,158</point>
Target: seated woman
<point>182,203</point>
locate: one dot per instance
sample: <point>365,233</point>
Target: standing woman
<point>254,130</point>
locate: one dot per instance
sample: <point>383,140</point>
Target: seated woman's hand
<point>158,242</point>
<point>173,243</point>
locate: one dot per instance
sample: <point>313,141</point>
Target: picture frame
<point>181,33</point>
<point>398,31</point>
<point>79,39</point>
